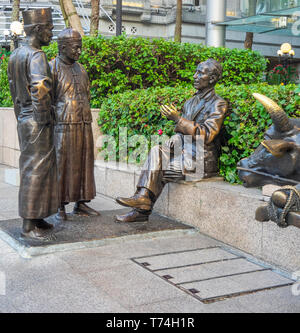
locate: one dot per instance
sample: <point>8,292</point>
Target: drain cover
<point>212,274</point>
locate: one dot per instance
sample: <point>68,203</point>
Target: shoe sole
<point>140,219</point>
<point>142,207</point>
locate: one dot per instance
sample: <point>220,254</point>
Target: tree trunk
<point>15,16</point>
<point>249,35</point>
<point>95,17</point>
<point>178,25</point>
<point>72,16</point>
<point>61,2</point>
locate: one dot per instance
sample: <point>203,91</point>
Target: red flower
<point>160,132</point>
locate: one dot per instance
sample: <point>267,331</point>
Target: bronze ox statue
<point>277,159</point>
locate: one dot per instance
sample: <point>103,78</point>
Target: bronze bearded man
<point>202,116</point>
<point>73,130</point>
<point>30,85</point>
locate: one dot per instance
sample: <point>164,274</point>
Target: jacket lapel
<point>202,105</point>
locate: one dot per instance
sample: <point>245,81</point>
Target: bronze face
<point>202,77</point>
<point>44,33</point>
<point>71,51</point>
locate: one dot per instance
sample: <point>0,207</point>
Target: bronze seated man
<point>202,116</point>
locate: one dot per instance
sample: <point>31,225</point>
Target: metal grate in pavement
<point>212,274</point>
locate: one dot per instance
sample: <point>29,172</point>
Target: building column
<point>215,13</point>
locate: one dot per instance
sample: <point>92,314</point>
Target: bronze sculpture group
<point>51,104</point>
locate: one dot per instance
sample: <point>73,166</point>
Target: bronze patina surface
<point>31,87</point>
<point>202,116</point>
<point>73,130</point>
<point>277,158</point>
<point>283,207</point>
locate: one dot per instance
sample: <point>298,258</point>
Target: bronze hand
<point>170,112</point>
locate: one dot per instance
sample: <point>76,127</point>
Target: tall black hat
<point>37,16</point>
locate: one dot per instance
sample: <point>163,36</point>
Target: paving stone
<point>9,215</point>
<point>185,258</point>
<point>22,273</point>
<point>6,306</point>
<point>96,260</point>
<point>5,248</point>
<point>279,300</point>
<point>186,242</point>
<point>184,304</point>
<point>65,293</point>
<point>236,284</point>
<point>233,267</point>
<point>257,280</point>
<point>210,270</point>
<point>214,288</point>
<point>132,285</point>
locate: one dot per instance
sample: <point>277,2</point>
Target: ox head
<point>273,158</point>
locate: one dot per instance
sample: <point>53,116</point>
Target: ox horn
<point>280,119</point>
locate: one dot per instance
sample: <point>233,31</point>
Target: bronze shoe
<point>137,201</point>
<point>42,224</point>
<point>133,216</point>
<point>82,209</point>
<point>39,234</point>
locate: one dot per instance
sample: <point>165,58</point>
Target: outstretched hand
<point>170,112</point>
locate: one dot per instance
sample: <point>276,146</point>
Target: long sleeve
<point>210,128</point>
<point>12,88</point>
<point>40,87</point>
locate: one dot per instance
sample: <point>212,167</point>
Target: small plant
<point>282,75</point>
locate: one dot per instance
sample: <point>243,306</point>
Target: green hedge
<point>243,129</point>
<point>5,97</point>
<point>119,63</point>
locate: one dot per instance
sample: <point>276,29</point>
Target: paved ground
<point>179,273</point>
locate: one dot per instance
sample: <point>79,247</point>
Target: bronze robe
<point>30,85</point>
<point>73,131</point>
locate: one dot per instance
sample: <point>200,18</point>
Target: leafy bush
<point>119,63</point>
<point>243,130</point>
<point>282,75</point>
<point>5,97</point>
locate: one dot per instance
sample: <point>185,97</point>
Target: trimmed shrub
<point>119,63</point>
<point>5,97</point>
<point>243,130</point>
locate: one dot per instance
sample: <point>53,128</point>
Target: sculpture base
<point>85,232</point>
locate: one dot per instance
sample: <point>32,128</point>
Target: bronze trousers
<point>163,165</point>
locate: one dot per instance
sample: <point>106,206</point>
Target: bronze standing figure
<point>203,116</point>
<point>30,85</point>
<point>73,130</point>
